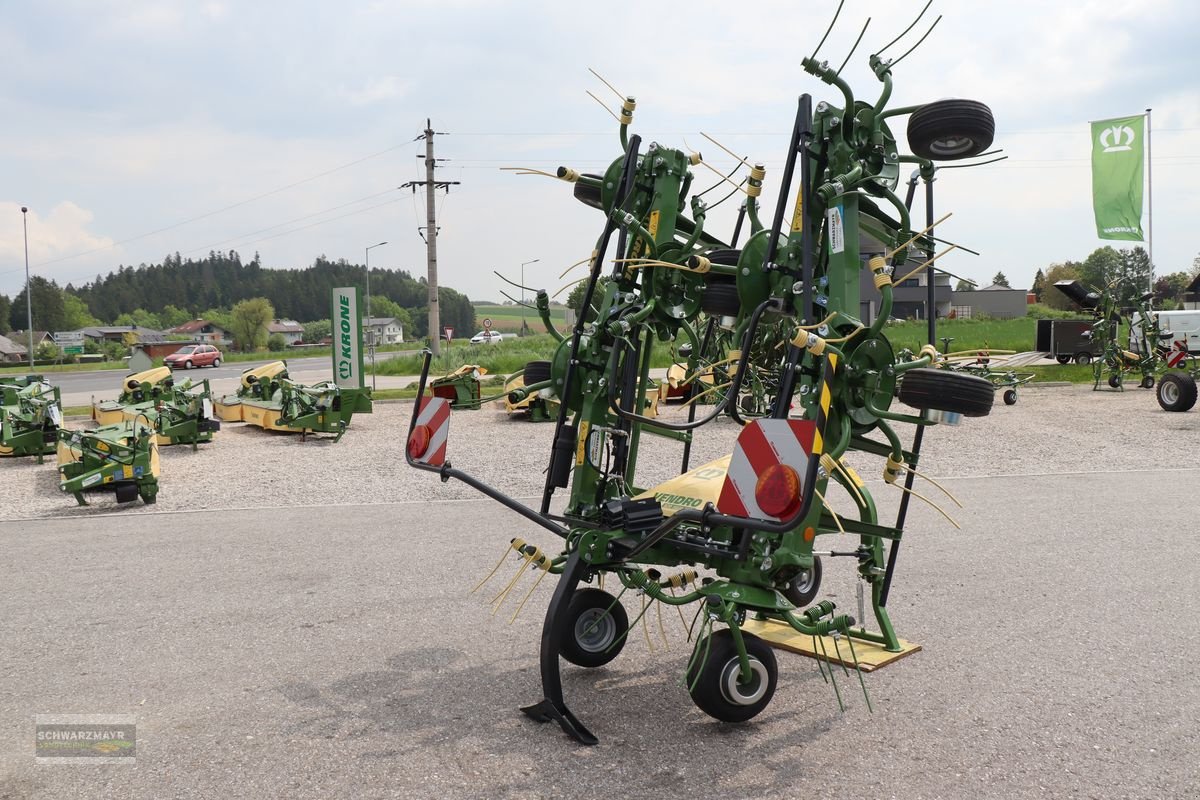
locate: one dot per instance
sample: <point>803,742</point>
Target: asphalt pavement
<point>79,388</point>
<point>335,650</point>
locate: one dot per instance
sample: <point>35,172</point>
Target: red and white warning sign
<point>427,442</point>
<point>767,469</point>
<point>1178,353</point>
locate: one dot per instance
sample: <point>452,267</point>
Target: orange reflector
<point>809,534</point>
<point>418,441</point>
<point>778,491</point>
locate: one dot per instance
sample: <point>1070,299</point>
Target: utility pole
<point>431,186</point>
<point>28,285</point>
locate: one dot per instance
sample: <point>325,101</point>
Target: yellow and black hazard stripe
<point>826,398</point>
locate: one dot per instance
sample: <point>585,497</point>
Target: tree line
<point>168,294</point>
<point>1125,272</point>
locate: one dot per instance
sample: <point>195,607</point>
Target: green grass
<point>508,318</point>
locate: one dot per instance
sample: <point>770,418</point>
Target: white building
<point>383,330</point>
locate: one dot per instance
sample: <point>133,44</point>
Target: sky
<point>133,130</point>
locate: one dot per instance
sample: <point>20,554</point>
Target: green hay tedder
<point>788,299</point>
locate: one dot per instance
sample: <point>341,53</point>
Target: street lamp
<point>28,286</point>
<point>524,327</point>
<point>370,333</point>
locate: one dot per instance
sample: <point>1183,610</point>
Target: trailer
<point>1064,340</point>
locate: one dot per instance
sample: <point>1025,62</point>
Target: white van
<point>1181,324</point>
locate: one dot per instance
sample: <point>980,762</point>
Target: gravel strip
<point>1050,430</point>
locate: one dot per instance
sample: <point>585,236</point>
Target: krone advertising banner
<point>1117,166</point>
<point>347,339</point>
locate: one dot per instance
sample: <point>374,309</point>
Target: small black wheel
<point>948,130</point>
<point>537,372</point>
<point>587,194</point>
<point>803,588</point>
<point>1083,358</point>
<point>1114,381</point>
<point>1147,382</point>
<point>596,628</point>
<point>1064,360</point>
<point>726,257</point>
<point>1010,397</point>
<point>1176,392</point>
<point>940,390</point>
<point>716,685</point>
<point>720,298</point>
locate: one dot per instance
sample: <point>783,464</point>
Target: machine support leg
<point>552,707</point>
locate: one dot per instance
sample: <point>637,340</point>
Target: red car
<point>194,355</point>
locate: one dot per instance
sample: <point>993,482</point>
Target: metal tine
<point>829,30</point>
<point>518,302</point>
<point>906,30</point>
<point>852,49</point>
<point>514,283</point>
<point>918,44</point>
<point>832,678</point>
<point>861,682</point>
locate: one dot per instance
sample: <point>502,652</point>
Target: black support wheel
<point>1114,381</point>
<point>720,298</point>
<point>1147,382</point>
<point>537,372</point>
<point>1176,392</point>
<point>596,628</point>
<point>948,130</point>
<point>802,589</point>
<point>716,685</point>
<point>1010,397</point>
<point>940,390</point>
<point>1064,360</point>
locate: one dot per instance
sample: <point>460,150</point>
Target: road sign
<point>72,350</point>
<point>487,323</point>
<point>449,333</point>
<point>68,337</point>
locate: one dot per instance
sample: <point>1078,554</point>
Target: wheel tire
<point>595,621</point>
<point>726,257</point>
<point>1083,358</point>
<point>187,365</point>
<point>949,130</point>
<point>216,363</point>
<point>537,372</point>
<point>720,299</point>
<point>940,390</point>
<point>589,195</point>
<point>803,588</point>
<point>1147,382</point>
<point>714,686</point>
<point>1010,397</point>
<point>1176,392</point>
<point>1064,360</point>
<point>1114,381</point>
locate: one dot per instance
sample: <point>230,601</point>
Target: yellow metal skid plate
<point>871,656</point>
<point>691,489</point>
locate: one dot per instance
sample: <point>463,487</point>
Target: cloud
<point>64,231</point>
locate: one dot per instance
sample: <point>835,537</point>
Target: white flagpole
<point>1150,203</point>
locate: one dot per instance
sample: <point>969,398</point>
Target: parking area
<point>299,623</point>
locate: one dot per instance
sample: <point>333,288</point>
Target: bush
<point>276,342</point>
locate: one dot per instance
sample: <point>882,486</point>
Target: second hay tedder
<point>789,300</point>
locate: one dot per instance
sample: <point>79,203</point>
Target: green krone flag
<point>1117,165</point>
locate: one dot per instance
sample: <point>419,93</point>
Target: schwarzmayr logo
<point>1117,138</point>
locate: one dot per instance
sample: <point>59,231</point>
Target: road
<point>78,388</point>
<point>335,651</point>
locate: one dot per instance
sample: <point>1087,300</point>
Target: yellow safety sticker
<point>581,442</point>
